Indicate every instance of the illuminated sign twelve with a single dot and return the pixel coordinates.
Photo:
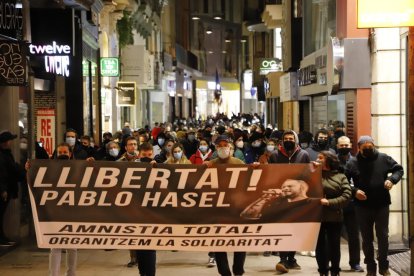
(56, 57)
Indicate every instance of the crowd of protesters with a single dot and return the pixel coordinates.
(243, 139)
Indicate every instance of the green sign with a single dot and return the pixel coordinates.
(109, 67)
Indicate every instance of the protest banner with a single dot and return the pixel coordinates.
(133, 205)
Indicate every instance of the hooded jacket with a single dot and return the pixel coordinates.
(197, 158)
(281, 155)
(369, 175)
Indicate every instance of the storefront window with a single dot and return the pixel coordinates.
(336, 110)
(319, 24)
(328, 112)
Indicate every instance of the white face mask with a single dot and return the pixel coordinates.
(270, 148)
(239, 144)
(177, 155)
(203, 148)
(161, 142)
(114, 152)
(71, 141)
(223, 153)
(23, 146)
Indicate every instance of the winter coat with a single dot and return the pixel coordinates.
(337, 190)
(197, 159)
(370, 174)
(10, 174)
(281, 155)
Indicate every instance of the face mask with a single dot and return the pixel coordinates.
(167, 149)
(203, 148)
(240, 144)
(322, 143)
(145, 159)
(114, 152)
(177, 155)
(344, 151)
(191, 138)
(161, 142)
(339, 133)
(256, 144)
(63, 157)
(289, 145)
(23, 146)
(368, 153)
(304, 145)
(223, 153)
(270, 148)
(71, 141)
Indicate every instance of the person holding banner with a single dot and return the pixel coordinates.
(337, 193)
(130, 155)
(224, 157)
(289, 151)
(63, 152)
(146, 259)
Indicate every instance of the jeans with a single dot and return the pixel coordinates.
(352, 231)
(328, 247)
(223, 263)
(368, 218)
(146, 262)
(55, 258)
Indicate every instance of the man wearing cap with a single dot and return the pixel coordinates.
(373, 174)
(10, 175)
(224, 157)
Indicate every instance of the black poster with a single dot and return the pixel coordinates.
(126, 93)
(12, 63)
(11, 19)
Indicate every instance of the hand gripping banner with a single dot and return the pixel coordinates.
(132, 205)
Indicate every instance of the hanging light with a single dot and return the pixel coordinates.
(209, 30)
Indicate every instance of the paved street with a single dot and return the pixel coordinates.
(29, 260)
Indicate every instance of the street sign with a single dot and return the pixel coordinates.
(110, 67)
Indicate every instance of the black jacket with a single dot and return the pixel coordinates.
(10, 174)
(369, 175)
(281, 156)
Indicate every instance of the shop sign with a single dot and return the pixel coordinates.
(56, 57)
(269, 65)
(385, 13)
(307, 75)
(109, 67)
(125, 93)
(11, 19)
(288, 87)
(46, 125)
(12, 64)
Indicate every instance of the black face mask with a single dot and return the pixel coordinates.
(344, 151)
(339, 133)
(145, 159)
(322, 143)
(368, 153)
(63, 157)
(289, 145)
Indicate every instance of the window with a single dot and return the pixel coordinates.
(319, 24)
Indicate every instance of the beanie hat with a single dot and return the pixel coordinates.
(255, 136)
(365, 139)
